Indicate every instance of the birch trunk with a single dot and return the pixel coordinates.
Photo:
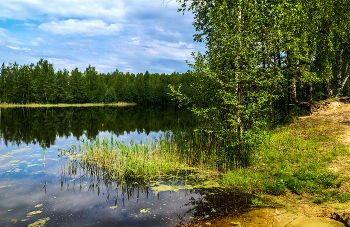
(308, 104)
(339, 73)
(327, 86)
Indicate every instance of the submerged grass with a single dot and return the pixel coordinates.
(35, 105)
(296, 158)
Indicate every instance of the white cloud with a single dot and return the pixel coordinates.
(3, 32)
(17, 48)
(39, 39)
(60, 63)
(7, 38)
(111, 10)
(14, 41)
(86, 27)
(128, 69)
(168, 32)
(135, 40)
(165, 50)
(29, 25)
(34, 43)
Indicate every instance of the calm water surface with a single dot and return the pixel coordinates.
(36, 188)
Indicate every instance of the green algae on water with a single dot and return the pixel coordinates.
(39, 223)
(175, 188)
(31, 214)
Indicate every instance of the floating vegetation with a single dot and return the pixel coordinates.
(39, 223)
(175, 188)
(31, 214)
(145, 210)
(33, 165)
(39, 205)
(113, 207)
(5, 186)
(54, 159)
(16, 170)
(6, 156)
(21, 149)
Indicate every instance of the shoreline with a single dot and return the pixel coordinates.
(36, 105)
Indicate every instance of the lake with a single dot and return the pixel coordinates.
(39, 188)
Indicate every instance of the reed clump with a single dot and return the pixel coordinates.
(181, 156)
(146, 159)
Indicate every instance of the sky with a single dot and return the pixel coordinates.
(128, 35)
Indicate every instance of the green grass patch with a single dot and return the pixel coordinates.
(295, 158)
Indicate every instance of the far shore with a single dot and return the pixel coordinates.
(33, 105)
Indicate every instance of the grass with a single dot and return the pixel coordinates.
(295, 158)
(35, 105)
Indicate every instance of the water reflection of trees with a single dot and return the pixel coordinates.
(43, 125)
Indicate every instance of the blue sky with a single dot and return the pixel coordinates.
(128, 35)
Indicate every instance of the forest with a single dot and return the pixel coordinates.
(41, 83)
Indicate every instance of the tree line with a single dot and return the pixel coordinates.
(40, 83)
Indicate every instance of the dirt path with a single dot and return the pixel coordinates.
(336, 111)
